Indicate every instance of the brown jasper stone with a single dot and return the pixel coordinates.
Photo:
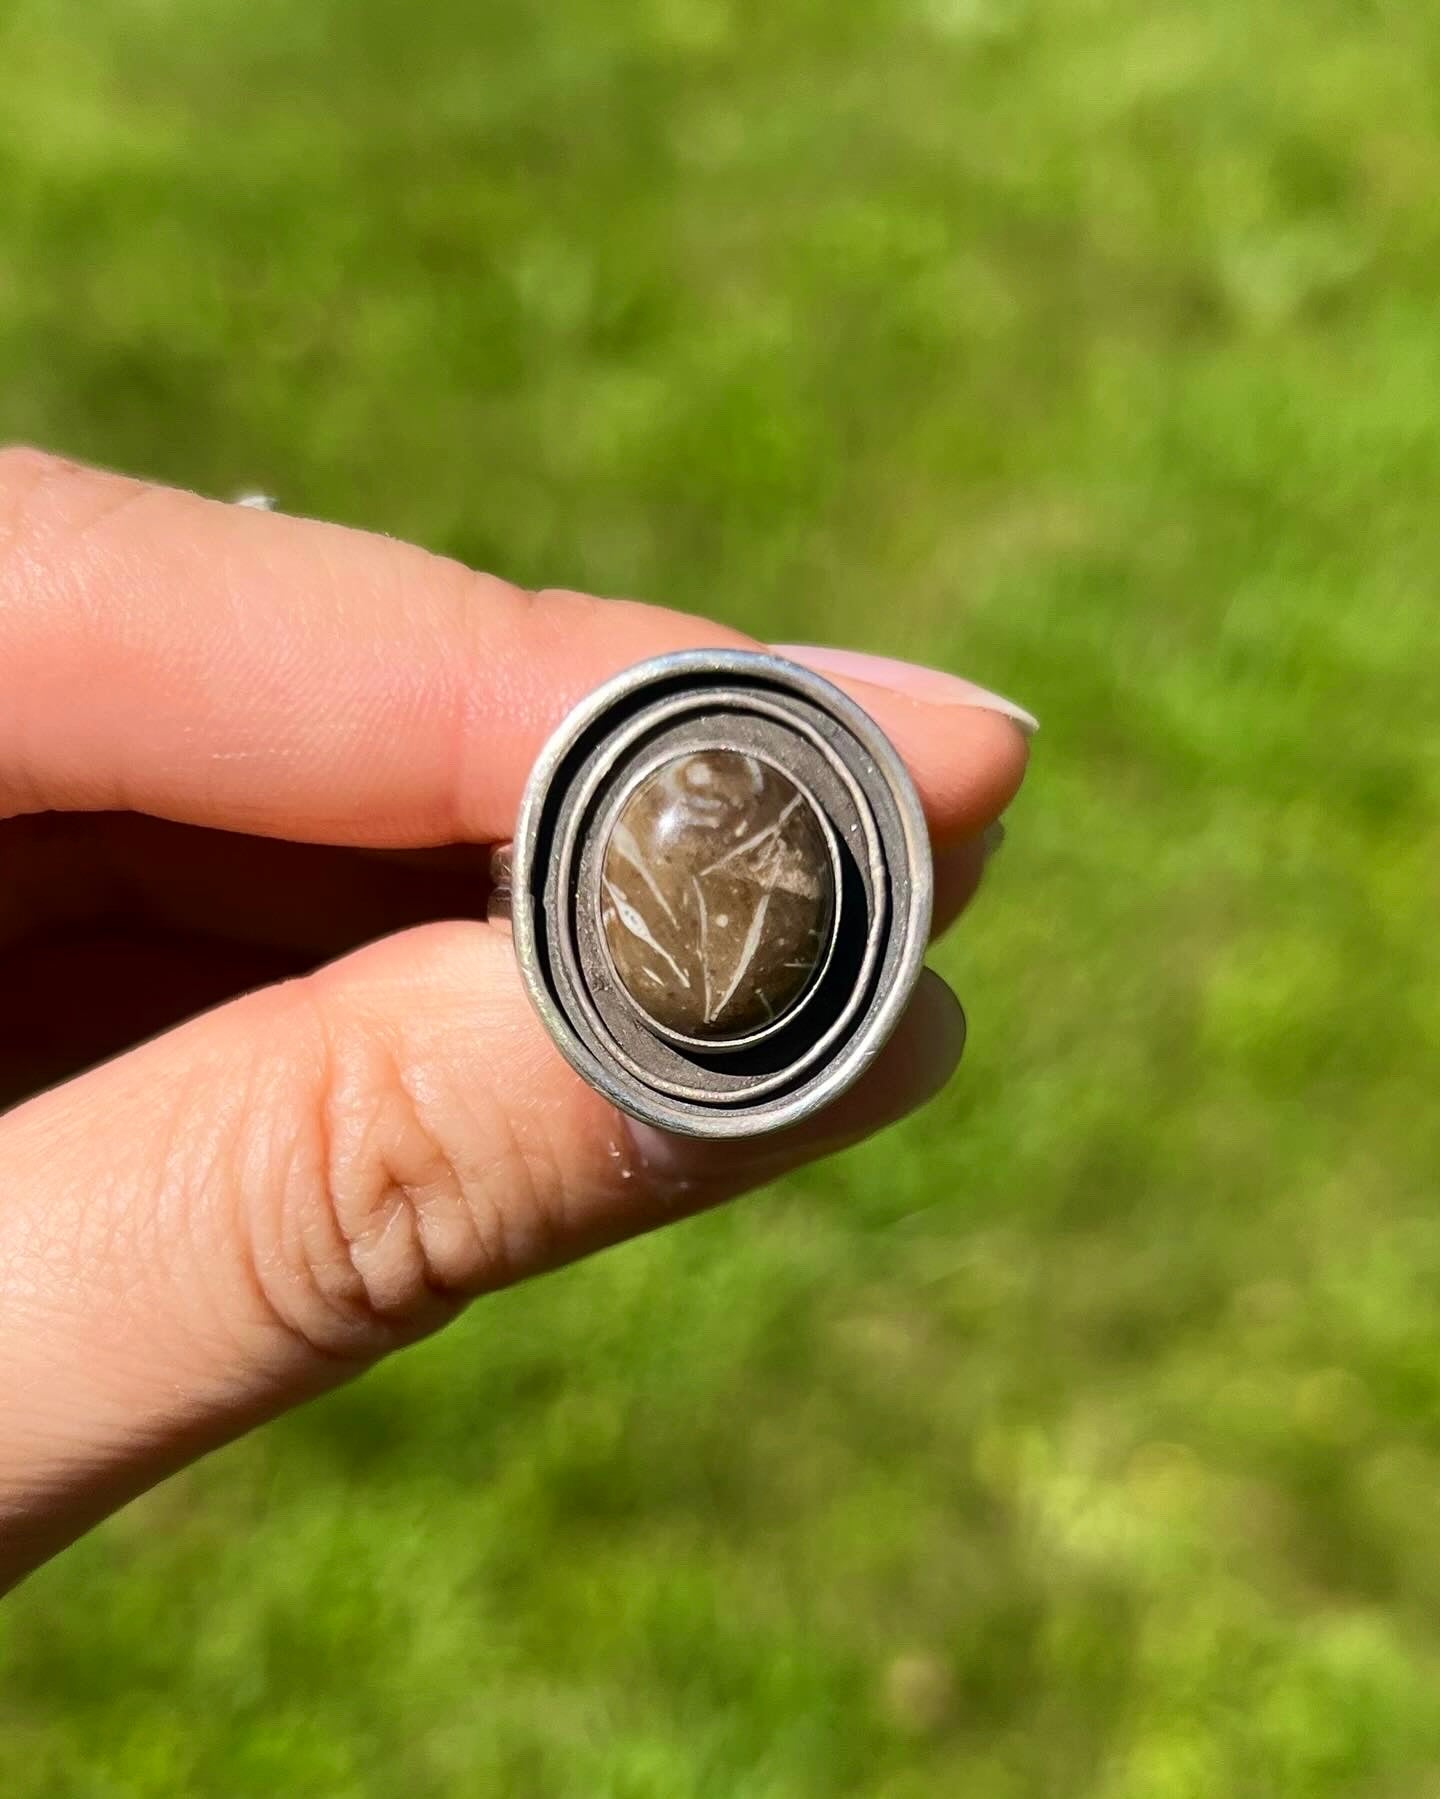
(717, 894)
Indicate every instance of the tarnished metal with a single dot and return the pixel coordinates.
(549, 883)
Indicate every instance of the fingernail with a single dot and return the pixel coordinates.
(670, 1162)
(682, 1172)
(909, 678)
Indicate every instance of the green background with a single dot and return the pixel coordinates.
(1081, 1437)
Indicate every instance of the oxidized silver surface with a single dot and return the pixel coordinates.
(720, 891)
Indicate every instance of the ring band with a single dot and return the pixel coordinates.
(719, 891)
(502, 865)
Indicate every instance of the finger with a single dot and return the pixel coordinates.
(236, 1215)
(224, 666)
(958, 873)
(919, 708)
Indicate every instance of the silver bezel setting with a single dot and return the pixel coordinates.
(851, 773)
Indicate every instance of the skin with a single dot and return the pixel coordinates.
(249, 765)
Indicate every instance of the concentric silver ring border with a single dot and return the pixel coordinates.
(639, 725)
(861, 1050)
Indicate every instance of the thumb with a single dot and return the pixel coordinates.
(240, 1214)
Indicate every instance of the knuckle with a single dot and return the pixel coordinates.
(403, 1197)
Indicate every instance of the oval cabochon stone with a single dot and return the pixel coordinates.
(717, 895)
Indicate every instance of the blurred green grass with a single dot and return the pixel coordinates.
(1082, 1437)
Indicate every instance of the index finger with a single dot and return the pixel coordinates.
(223, 666)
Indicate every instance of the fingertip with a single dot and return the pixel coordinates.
(967, 749)
(927, 1048)
(968, 768)
(959, 871)
(914, 679)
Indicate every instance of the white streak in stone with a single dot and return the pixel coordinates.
(637, 927)
(690, 805)
(623, 839)
(704, 944)
(750, 843)
(747, 955)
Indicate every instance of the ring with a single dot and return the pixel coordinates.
(719, 891)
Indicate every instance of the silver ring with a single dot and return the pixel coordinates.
(719, 890)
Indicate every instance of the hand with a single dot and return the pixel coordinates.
(234, 746)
